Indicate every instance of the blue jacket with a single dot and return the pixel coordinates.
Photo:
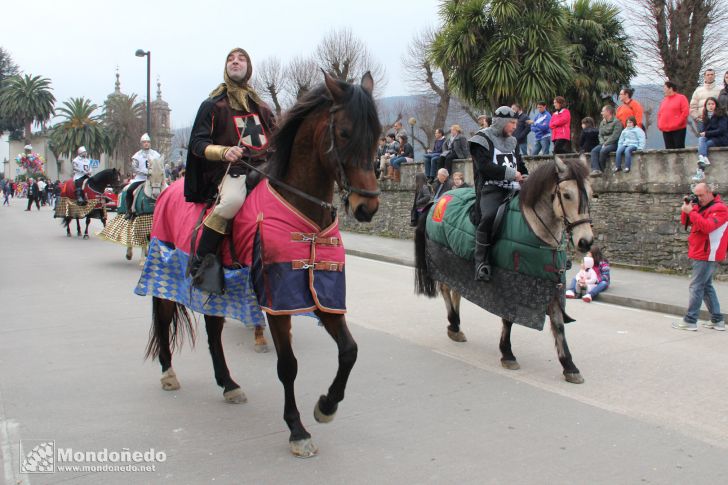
(540, 126)
(716, 129)
(632, 137)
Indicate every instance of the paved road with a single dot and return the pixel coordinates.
(419, 408)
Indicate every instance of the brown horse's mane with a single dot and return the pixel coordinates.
(544, 177)
(357, 103)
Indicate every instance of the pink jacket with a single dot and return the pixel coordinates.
(560, 125)
(673, 113)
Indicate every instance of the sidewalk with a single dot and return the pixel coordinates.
(636, 289)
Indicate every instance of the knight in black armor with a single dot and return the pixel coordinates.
(499, 171)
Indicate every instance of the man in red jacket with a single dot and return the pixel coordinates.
(706, 247)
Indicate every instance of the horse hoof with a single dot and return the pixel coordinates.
(319, 416)
(236, 396)
(169, 380)
(303, 448)
(457, 336)
(85, 236)
(68, 235)
(510, 364)
(574, 378)
(128, 254)
(261, 348)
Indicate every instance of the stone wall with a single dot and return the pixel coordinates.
(636, 215)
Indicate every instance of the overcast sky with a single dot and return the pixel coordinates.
(79, 43)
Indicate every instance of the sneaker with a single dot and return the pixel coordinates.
(586, 298)
(685, 326)
(699, 175)
(616, 169)
(700, 159)
(569, 294)
(706, 162)
(714, 325)
(626, 170)
(595, 173)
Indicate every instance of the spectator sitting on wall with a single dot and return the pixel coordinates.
(423, 196)
(443, 183)
(672, 116)
(629, 107)
(458, 181)
(609, 130)
(713, 133)
(522, 129)
(540, 128)
(589, 135)
(381, 150)
(631, 139)
(391, 150)
(456, 148)
(433, 155)
(406, 154)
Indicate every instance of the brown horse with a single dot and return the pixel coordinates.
(68, 209)
(328, 137)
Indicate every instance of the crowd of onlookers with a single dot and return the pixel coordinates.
(38, 191)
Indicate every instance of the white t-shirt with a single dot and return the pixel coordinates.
(140, 163)
(81, 167)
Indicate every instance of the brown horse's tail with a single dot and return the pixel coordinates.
(164, 313)
(424, 284)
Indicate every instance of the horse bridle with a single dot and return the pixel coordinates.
(344, 187)
(568, 225)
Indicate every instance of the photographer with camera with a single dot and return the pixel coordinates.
(705, 212)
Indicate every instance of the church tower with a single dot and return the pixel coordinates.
(161, 126)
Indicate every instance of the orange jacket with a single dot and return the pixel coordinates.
(633, 108)
(673, 113)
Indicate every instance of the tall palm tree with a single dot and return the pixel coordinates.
(79, 128)
(26, 100)
(123, 120)
(600, 54)
(501, 51)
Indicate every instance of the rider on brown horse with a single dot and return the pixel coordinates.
(232, 124)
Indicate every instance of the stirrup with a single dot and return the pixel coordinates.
(207, 273)
(483, 272)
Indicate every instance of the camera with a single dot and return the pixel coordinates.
(691, 199)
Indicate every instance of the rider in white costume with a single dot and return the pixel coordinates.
(81, 171)
(140, 162)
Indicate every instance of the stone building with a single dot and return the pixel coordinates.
(161, 126)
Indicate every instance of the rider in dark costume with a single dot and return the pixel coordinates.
(498, 169)
(232, 124)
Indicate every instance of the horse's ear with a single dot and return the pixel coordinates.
(332, 85)
(561, 166)
(367, 82)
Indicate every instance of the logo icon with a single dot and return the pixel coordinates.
(40, 458)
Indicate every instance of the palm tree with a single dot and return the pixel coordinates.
(501, 51)
(599, 52)
(79, 128)
(124, 123)
(26, 100)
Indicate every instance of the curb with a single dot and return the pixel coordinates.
(610, 298)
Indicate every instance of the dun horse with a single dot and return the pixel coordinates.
(287, 235)
(554, 203)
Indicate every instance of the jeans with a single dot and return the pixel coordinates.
(701, 290)
(627, 152)
(703, 145)
(544, 143)
(600, 154)
(523, 147)
(397, 161)
(601, 286)
(431, 164)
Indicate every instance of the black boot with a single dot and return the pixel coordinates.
(205, 267)
(80, 200)
(482, 257)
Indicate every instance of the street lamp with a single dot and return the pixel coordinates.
(141, 53)
(412, 122)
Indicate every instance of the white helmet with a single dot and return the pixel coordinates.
(81, 150)
(145, 137)
(28, 147)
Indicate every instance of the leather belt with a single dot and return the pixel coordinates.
(312, 237)
(318, 266)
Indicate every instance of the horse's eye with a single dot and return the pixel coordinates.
(344, 134)
(567, 196)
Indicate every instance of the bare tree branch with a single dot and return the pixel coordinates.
(268, 81)
(301, 75)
